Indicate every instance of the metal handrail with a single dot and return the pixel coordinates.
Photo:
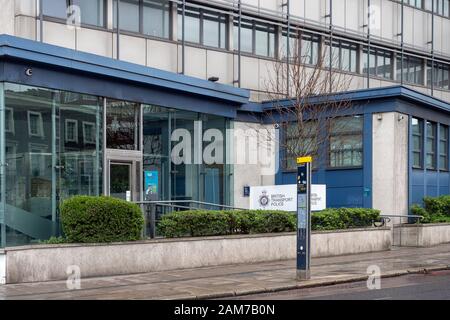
(168, 202)
(150, 213)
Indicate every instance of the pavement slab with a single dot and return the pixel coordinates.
(236, 280)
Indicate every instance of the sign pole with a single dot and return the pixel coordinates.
(303, 217)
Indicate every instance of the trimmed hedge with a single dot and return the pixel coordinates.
(212, 223)
(434, 210)
(344, 218)
(88, 219)
(197, 223)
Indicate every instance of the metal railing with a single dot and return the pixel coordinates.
(154, 210)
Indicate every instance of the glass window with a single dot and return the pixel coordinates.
(417, 137)
(156, 18)
(55, 8)
(412, 69)
(310, 49)
(32, 180)
(257, 38)
(299, 140)
(129, 15)
(443, 147)
(92, 11)
(71, 130)
(122, 125)
(346, 142)
(343, 55)
(246, 36)
(431, 145)
(379, 64)
(441, 75)
(204, 27)
(192, 25)
(264, 40)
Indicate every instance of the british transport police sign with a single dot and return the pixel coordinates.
(303, 217)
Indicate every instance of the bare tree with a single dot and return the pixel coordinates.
(303, 100)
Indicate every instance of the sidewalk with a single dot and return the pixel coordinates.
(225, 281)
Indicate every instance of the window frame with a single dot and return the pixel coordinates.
(359, 132)
(377, 53)
(219, 17)
(445, 141)
(85, 124)
(9, 120)
(104, 22)
(75, 138)
(271, 54)
(420, 135)
(433, 151)
(40, 124)
(339, 44)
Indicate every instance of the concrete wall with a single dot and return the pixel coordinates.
(50, 262)
(422, 235)
(258, 166)
(390, 163)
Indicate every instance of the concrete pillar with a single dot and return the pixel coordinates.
(7, 17)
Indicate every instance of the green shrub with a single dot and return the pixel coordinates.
(210, 222)
(434, 210)
(344, 218)
(439, 206)
(88, 219)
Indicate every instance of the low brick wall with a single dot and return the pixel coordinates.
(50, 262)
(422, 235)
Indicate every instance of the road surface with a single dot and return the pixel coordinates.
(435, 286)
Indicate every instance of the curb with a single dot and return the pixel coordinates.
(318, 283)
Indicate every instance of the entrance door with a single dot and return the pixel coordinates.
(121, 180)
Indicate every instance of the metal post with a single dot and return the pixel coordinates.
(56, 171)
(368, 44)
(183, 39)
(2, 168)
(118, 29)
(239, 42)
(303, 218)
(401, 44)
(41, 22)
(288, 47)
(331, 45)
(432, 48)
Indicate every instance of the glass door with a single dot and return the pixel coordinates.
(120, 180)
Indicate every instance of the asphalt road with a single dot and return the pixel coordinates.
(432, 286)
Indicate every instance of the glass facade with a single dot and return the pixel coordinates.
(346, 142)
(92, 12)
(49, 157)
(59, 144)
(256, 37)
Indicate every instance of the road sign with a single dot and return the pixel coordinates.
(303, 217)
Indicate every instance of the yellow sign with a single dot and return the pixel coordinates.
(304, 160)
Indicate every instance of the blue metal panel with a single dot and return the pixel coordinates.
(367, 161)
(58, 57)
(43, 76)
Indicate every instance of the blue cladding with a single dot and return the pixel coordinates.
(429, 183)
(344, 187)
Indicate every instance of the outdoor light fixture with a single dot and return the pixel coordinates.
(213, 79)
(29, 72)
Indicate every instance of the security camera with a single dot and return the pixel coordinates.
(277, 126)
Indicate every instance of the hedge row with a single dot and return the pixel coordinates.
(208, 222)
(434, 210)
